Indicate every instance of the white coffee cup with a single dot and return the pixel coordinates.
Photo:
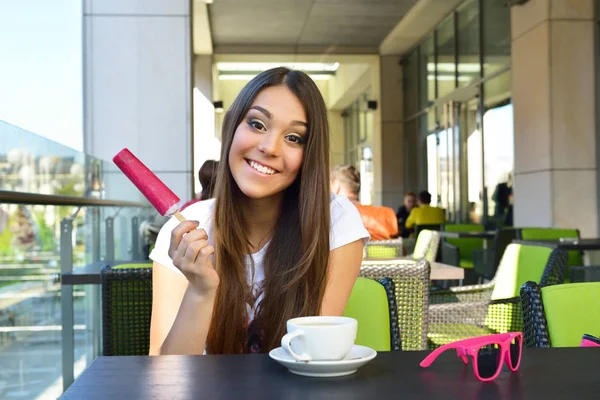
(319, 338)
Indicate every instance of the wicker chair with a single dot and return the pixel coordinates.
(558, 316)
(127, 305)
(126, 309)
(426, 247)
(493, 307)
(411, 281)
(393, 248)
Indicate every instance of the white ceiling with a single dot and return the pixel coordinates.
(201, 28)
(301, 26)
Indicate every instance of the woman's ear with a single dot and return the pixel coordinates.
(335, 187)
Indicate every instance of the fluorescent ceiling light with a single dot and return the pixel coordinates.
(451, 67)
(263, 66)
(448, 78)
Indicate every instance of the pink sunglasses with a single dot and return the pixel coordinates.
(488, 353)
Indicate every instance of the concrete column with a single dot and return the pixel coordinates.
(554, 114)
(207, 145)
(138, 88)
(392, 132)
(336, 138)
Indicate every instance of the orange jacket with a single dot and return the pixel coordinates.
(381, 222)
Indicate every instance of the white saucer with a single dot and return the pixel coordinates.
(358, 356)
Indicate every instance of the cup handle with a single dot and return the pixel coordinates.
(286, 343)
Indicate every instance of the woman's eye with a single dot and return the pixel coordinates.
(257, 125)
(296, 139)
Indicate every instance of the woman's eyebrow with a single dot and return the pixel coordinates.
(268, 114)
(300, 123)
(262, 110)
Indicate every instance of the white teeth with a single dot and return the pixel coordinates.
(261, 168)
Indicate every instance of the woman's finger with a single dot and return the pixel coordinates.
(177, 234)
(188, 239)
(192, 251)
(206, 252)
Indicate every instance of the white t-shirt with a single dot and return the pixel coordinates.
(346, 227)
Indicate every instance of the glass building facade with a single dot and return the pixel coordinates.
(458, 130)
(358, 125)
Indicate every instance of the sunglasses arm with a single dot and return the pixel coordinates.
(427, 361)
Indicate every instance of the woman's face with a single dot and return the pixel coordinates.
(268, 145)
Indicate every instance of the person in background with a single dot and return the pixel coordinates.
(381, 222)
(425, 214)
(410, 201)
(508, 218)
(473, 214)
(208, 178)
(501, 198)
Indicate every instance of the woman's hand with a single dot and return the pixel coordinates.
(191, 253)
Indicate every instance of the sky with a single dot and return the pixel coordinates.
(41, 68)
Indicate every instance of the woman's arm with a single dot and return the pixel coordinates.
(180, 317)
(342, 270)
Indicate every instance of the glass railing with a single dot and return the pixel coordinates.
(32, 164)
(43, 188)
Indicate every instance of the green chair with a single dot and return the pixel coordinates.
(575, 257)
(493, 307)
(373, 305)
(459, 252)
(558, 316)
(411, 292)
(126, 309)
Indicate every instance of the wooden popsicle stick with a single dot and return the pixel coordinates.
(180, 217)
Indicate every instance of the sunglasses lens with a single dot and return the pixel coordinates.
(488, 360)
(515, 351)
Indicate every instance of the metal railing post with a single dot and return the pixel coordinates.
(135, 238)
(95, 214)
(110, 239)
(66, 301)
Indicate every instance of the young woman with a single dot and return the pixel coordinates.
(274, 244)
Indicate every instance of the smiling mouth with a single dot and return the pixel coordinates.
(260, 168)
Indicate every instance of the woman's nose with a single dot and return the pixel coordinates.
(269, 144)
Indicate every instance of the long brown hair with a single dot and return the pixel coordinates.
(295, 262)
(207, 175)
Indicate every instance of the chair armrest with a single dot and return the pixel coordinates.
(495, 315)
(463, 294)
(472, 313)
(450, 254)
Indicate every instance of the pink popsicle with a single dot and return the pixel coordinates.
(158, 194)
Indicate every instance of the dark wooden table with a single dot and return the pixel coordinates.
(468, 235)
(571, 373)
(487, 236)
(578, 245)
(88, 275)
